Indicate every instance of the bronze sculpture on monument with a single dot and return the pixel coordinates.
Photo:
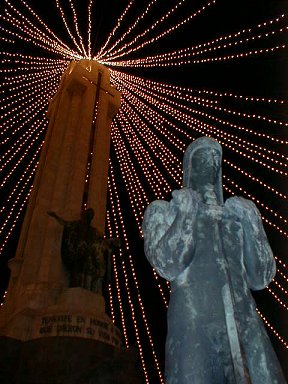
(54, 314)
(85, 252)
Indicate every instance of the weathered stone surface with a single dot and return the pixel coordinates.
(213, 253)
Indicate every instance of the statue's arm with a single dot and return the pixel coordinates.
(175, 248)
(259, 262)
(58, 218)
(169, 246)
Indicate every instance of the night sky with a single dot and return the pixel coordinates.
(261, 75)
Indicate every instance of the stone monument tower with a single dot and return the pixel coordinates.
(41, 305)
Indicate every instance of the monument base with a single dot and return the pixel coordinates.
(73, 341)
(66, 360)
(77, 313)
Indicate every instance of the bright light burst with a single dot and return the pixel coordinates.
(158, 118)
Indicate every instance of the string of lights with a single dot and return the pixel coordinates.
(280, 287)
(269, 222)
(282, 275)
(36, 124)
(115, 270)
(242, 97)
(90, 5)
(272, 329)
(25, 179)
(135, 192)
(134, 319)
(156, 180)
(166, 31)
(112, 33)
(282, 263)
(151, 183)
(139, 299)
(200, 49)
(183, 117)
(261, 182)
(128, 31)
(224, 122)
(41, 22)
(135, 64)
(148, 30)
(158, 89)
(137, 146)
(37, 36)
(15, 221)
(217, 108)
(75, 20)
(60, 9)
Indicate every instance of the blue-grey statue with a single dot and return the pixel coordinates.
(213, 253)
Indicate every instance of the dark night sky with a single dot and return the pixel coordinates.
(257, 75)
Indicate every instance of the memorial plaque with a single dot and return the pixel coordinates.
(73, 325)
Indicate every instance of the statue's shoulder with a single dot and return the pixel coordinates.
(157, 207)
(155, 214)
(241, 207)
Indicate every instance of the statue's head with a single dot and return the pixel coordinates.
(88, 215)
(202, 166)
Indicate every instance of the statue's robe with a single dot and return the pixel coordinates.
(213, 255)
(204, 257)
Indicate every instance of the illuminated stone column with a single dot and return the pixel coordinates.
(65, 182)
(108, 105)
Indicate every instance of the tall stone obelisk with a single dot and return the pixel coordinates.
(53, 331)
(72, 175)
